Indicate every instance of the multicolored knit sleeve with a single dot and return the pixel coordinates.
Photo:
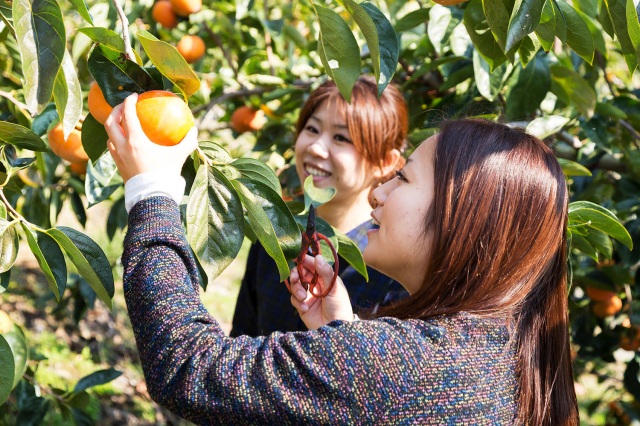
(344, 373)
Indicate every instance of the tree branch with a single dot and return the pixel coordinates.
(225, 52)
(128, 51)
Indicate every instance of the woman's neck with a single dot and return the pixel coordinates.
(346, 217)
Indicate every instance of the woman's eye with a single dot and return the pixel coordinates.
(341, 138)
(400, 176)
(311, 129)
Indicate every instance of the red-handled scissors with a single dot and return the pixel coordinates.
(311, 246)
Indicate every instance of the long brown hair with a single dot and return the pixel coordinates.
(498, 222)
(376, 125)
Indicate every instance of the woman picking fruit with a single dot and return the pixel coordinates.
(474, 227)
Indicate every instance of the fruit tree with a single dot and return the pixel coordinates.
(565, 70)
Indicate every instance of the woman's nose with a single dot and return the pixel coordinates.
(379, 195)
(318, 147)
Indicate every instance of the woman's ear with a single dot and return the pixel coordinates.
(390, 163)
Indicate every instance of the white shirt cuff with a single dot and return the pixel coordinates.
(152, 184)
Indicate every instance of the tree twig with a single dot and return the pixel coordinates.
(9, 207)
(225, 52)
(128, 51)
(14, 100)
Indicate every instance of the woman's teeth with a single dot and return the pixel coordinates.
(316, 172)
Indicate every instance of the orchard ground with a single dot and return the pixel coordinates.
(104, 338)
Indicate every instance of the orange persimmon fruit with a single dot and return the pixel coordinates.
(164, 117)
(97, 104)
(186, 7)
(78, 169)
(191, 47)
(246, 118)
(607, 307)
(71, 149)
(599, 295)
(163, 14)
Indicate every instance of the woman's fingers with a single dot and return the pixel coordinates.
(113, 128)
(130, 120)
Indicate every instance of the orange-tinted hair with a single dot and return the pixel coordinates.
(498, 222)
(376, 125)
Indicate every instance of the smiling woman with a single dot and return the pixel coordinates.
(351, 147)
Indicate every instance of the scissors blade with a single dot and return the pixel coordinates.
(311, 222)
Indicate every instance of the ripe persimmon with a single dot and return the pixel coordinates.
(607, 307)
(246, 118)
(163, 14)
(191, 47)
(164, 117)
(71, 149)
(186, 7)
(78, 169)
(97, 104)
(599, 295)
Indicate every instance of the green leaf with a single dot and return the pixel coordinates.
(578, 35)
(525, 18)
(9, 244)
(489, 83)
(546, 29)
(617, 11)
(278, 214)
(259, 172)
(67, 95)
(412, 19)
(600, 242)
(338, 50)
(7, 372)
(81, 7)
(478, 28)
(498, 17)
(16, 341)
(580, 243)
(102, 179)
(50, 258)
(5, 279)
(215, 152)
(263, 229)
(633, 26)
(598, 217)
(215, 221)
(21, 137)
(381, 40)
(543, 127)
(314, 195)
(118, 77)
(440, 19)
(104, 36)
(529, 47)
(41, 38)
(96, 378)
(530, 88)
(170, 63)
(573, 89)
(94, 138)
(350, 252)
(571, 168)
(89, 259)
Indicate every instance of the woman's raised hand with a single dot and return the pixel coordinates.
(132, 150)
(316, 312)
